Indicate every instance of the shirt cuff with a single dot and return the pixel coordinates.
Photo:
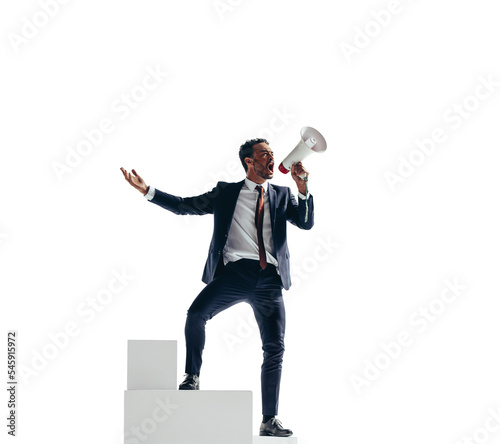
(150, 194)
(302, 196)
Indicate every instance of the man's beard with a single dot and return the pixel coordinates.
(264, 172)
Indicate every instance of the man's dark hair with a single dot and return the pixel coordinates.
(246, 150)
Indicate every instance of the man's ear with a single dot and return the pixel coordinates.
(248, 161)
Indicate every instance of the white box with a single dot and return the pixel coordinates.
(152, 365)
(188, 417)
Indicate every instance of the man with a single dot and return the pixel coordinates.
(248, 260)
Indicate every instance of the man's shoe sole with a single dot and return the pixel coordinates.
(270, 434)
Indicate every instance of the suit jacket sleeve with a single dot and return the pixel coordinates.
(196, 205)
(296, 212)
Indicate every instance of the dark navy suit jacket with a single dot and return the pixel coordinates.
(221, 202)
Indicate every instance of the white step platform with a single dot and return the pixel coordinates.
(157, 413)
(274, 440)
(190, 417)
(152, 365)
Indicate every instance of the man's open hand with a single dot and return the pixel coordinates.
(135, 180)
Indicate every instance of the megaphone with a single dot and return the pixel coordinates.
(311, 141)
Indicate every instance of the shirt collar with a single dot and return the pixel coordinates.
(251, 185)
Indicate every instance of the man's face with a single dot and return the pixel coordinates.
(263, 161)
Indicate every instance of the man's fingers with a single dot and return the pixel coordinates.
(298, 170)
(134, 180)
(126, 174)
(137, 176)
(129, 177)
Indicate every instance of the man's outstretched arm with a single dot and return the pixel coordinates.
(197, 205)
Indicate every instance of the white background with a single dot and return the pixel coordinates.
(230, 75)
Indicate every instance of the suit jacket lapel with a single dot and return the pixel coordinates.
(272, 204)
(232, 197)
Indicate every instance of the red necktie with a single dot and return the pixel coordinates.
(259, 219)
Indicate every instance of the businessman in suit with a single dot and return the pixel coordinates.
(248, 261)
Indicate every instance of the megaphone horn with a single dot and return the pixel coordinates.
(311, 141)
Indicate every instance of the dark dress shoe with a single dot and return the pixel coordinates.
(191, 382)
(273, 427)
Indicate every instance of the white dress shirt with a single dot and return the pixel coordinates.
(242, 240)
